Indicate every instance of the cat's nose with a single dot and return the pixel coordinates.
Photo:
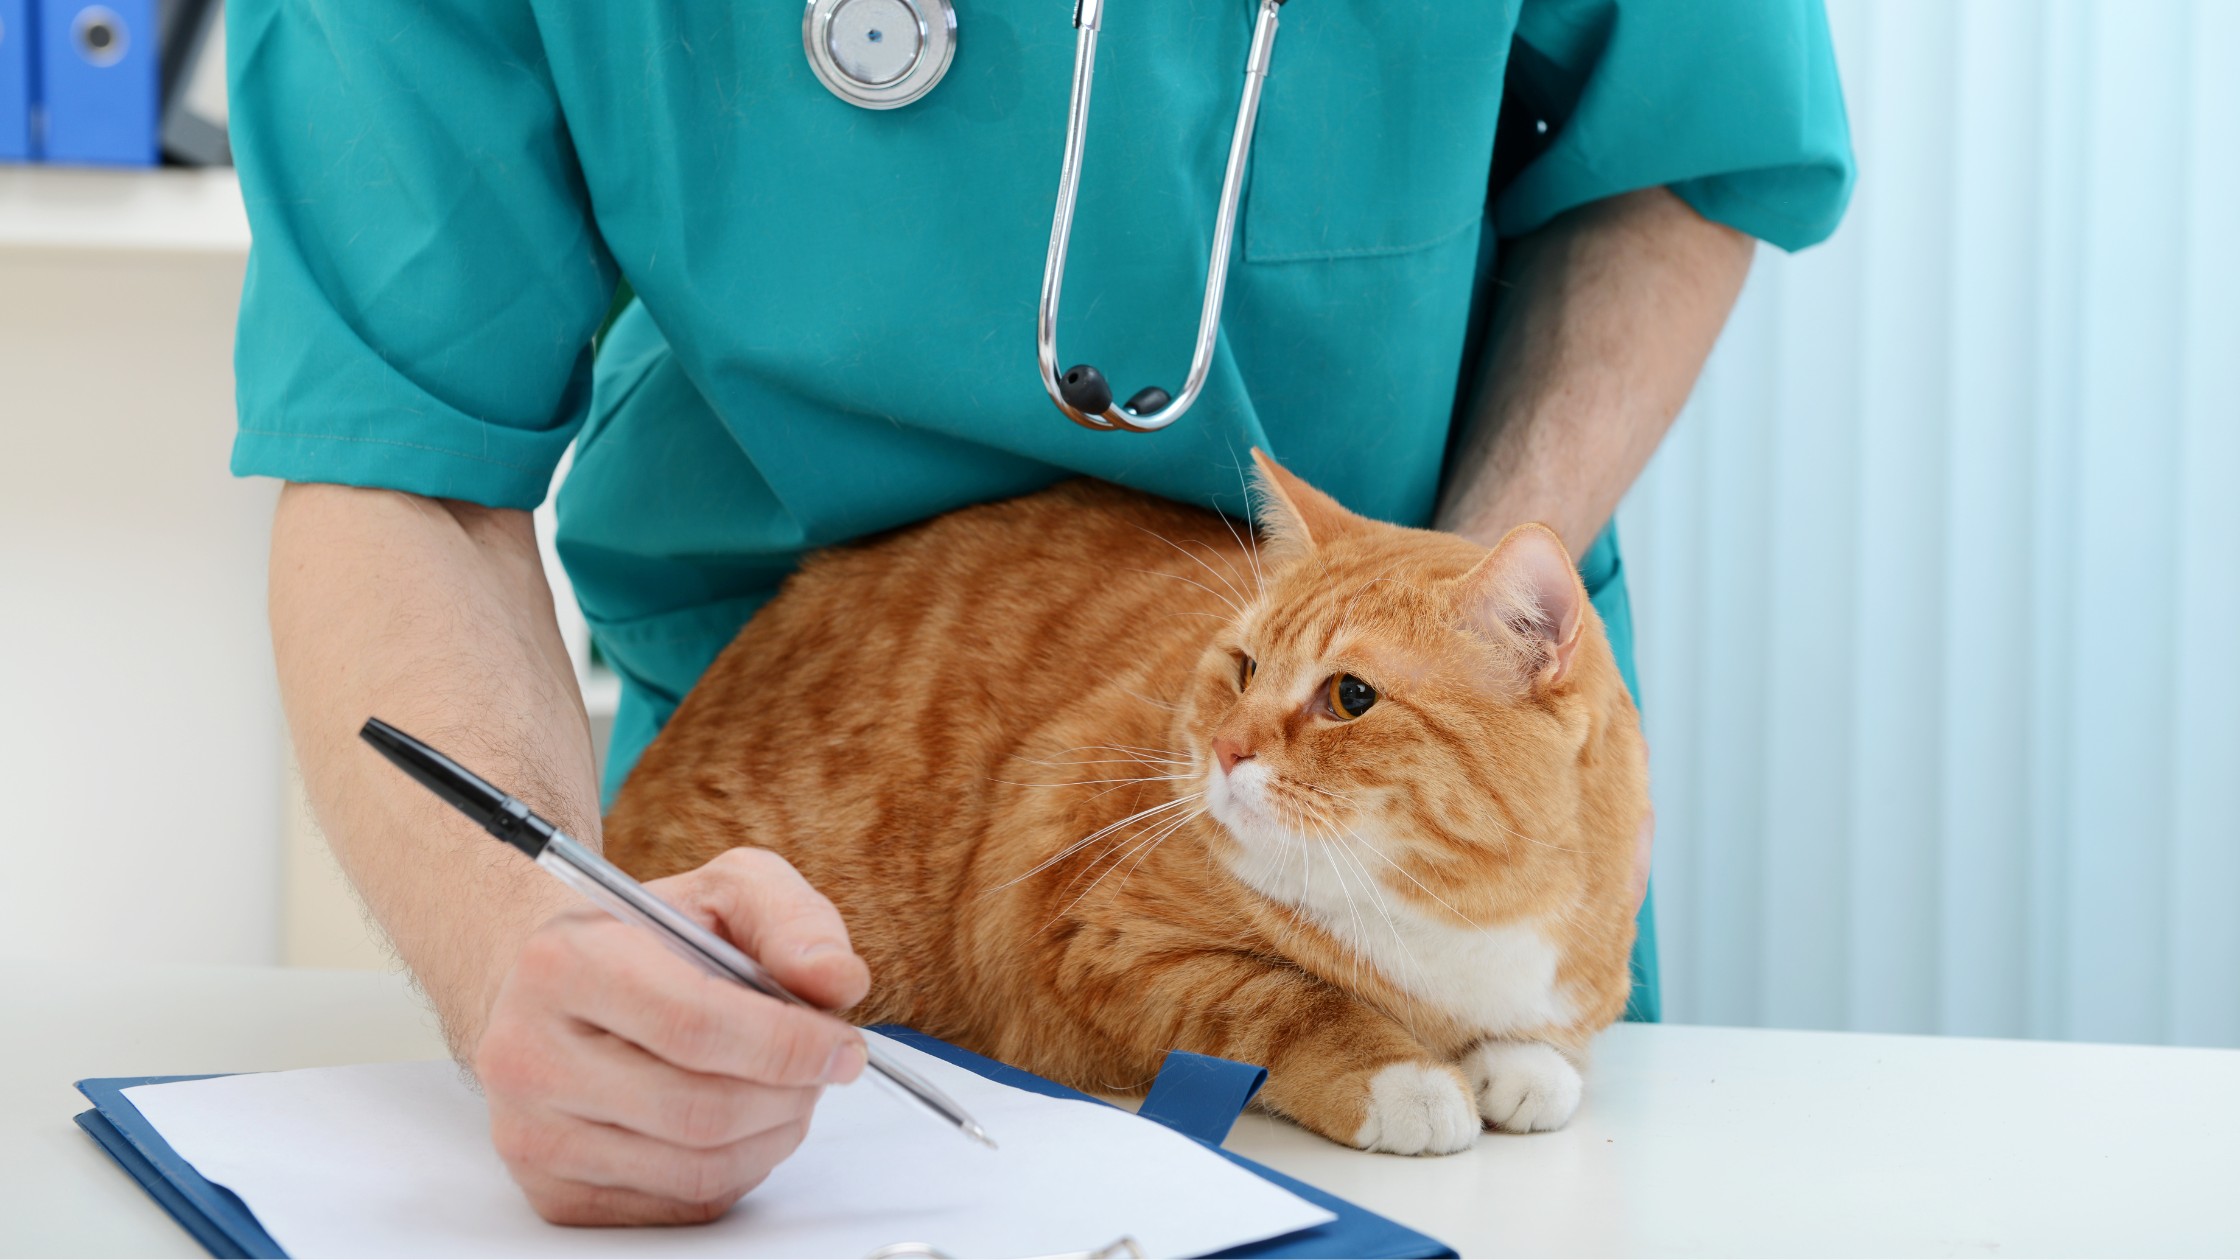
(1229, 752)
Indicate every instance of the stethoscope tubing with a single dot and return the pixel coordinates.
(1087, 20)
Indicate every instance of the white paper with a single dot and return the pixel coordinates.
(394, 1159)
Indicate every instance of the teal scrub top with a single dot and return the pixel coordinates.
(832, 332)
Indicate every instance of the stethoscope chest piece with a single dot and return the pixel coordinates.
(880, 54)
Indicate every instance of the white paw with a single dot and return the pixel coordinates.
(1418, 1109)
(1523, 1086)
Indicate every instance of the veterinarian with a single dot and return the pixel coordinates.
(831, 334)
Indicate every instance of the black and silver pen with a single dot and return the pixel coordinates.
(623, 897)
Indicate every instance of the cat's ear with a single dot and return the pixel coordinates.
(1295, 514)
(1526, 597)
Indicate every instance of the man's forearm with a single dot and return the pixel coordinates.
(434, 616)
(1607, 315)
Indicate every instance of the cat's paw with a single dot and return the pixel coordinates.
(1523, 1086)
(1418, 1109)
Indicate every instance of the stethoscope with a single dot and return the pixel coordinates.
(884, 54)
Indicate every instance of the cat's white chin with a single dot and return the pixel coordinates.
(1237, 799)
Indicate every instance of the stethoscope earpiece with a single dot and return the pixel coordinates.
(1085, 389)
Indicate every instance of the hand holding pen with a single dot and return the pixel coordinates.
(625, 1087)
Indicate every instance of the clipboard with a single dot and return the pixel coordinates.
(1195, 1095)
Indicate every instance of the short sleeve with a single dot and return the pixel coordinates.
(424, 277)
(1733, 104)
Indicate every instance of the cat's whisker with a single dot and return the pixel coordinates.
(1228, 563)
(1353, 911)
(1139, 748)
(1093, 837)
(1410, 877)
(1545, 844)
(1197, 612)
(1244, 485)
(1226, 602)
(1353, 908)
(1096, 761)
(1203, 565)
(1251, 551)
(1329, 837)
(1224, 579)
(1383, 907)
(1114, 853)
(1133, 752)
(1147, 778)
(1168, 705)
(1153, 844)
(1101, 793)
(1165, 828)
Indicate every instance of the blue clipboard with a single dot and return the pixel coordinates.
(1196, 1095)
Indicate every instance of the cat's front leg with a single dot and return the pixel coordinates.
(1348, 1072)
(1523, 1086)
(1417, 1108)
(1335, 1065)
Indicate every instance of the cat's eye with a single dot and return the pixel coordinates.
(1246, 668)
(1350, 697)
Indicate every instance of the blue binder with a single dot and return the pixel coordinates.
(100, 74)
(1195, 1095)
(18, 58)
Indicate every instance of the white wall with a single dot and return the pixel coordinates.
(1938, 579)
(140, 749)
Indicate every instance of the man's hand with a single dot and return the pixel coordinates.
(624, 1085)
(627, 1087)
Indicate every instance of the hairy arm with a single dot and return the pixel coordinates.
(433, 615)
(1607, 315)
(624, 1086)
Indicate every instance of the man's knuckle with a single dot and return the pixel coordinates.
(544, 957)
(703, 1213)
(527, 1145)
(690, 1033)
(562, 1203)
(507, 1065)
(709, 1177)
(766, 872)
(706, 1116)
(792, 1134)
(795, 1051)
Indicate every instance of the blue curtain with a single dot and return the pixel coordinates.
(1937, 582)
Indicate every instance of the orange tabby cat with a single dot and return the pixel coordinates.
(1089, 778)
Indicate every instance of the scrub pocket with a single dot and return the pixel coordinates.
(1375, 126)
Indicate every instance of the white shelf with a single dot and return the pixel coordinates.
(141, 211)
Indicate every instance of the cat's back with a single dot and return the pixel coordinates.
(893, 678)
(1031, 591)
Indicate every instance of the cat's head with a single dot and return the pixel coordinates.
(1409, 708)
